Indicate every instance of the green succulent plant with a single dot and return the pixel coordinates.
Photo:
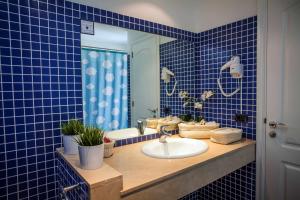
(90, 136)
(72, 127)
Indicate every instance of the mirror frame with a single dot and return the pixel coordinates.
(122, 21)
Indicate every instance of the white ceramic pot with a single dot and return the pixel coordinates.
(108, 149)
(70, 144)
(91, 157)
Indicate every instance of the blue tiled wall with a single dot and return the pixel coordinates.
(41, 86)
(201, 60)
(128, 90)
(214, 48)
(65, 176)
(179, 57)
(239, 184)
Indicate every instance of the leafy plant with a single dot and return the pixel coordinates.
(72, 127)
(153, 112)
(197, 103)
(199, 118)
(167, 111)
(90, 136)
(186, 117)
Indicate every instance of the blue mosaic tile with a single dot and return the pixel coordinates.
(41, 84)
(239, 184)
(128, 90)
(65, 177)
(201, 60)
(179, 57)
(191, 196)
(214, 48)
(141, 138)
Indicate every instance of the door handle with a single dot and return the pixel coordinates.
(275, 125)
(272, 134)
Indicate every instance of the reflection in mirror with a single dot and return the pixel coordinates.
(121, 80)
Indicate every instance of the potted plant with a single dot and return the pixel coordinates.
(70, 131)
(108, 147)
(186, 117)
(197, 103)
(91, 148)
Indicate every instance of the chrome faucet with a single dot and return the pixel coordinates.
(164, 134)
(141, 127)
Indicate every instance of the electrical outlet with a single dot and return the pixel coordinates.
(87, 27)
(242, 118)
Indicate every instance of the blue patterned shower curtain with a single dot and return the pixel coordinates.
(104, 83)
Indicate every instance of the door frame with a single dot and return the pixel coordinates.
(261, 86)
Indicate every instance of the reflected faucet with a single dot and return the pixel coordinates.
(164, 134)
(141, 126)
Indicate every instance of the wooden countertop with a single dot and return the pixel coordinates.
(93, 178)
(140, 171)
(136, 171)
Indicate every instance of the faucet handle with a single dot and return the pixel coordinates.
(141, 126)
(140, 122)
(164, 131)
(164, 134)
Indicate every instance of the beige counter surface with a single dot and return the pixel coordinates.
(129, 174)
(140, 171)
(93, 178)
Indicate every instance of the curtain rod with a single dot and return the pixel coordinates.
(105, 49)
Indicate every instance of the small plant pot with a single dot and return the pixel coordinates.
(91, 157)
(70, 144)
(108, 149)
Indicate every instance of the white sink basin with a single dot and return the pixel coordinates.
(174, 148)
(128, 133)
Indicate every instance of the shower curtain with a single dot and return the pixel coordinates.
(104, 83)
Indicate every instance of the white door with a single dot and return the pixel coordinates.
(283, 101)
(144, 78)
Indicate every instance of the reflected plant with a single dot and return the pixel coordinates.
(186, 117)
(153, 112)
(167, 111)
(197, 103)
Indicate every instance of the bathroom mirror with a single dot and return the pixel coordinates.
(121, 78)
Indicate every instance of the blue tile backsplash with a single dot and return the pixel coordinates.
(239, 184)
(201, 60)
(214, 48)
(40, 87)
(65, 176)
(179, 57)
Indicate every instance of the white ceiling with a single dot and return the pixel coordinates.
(214, 13)
(192, 15)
